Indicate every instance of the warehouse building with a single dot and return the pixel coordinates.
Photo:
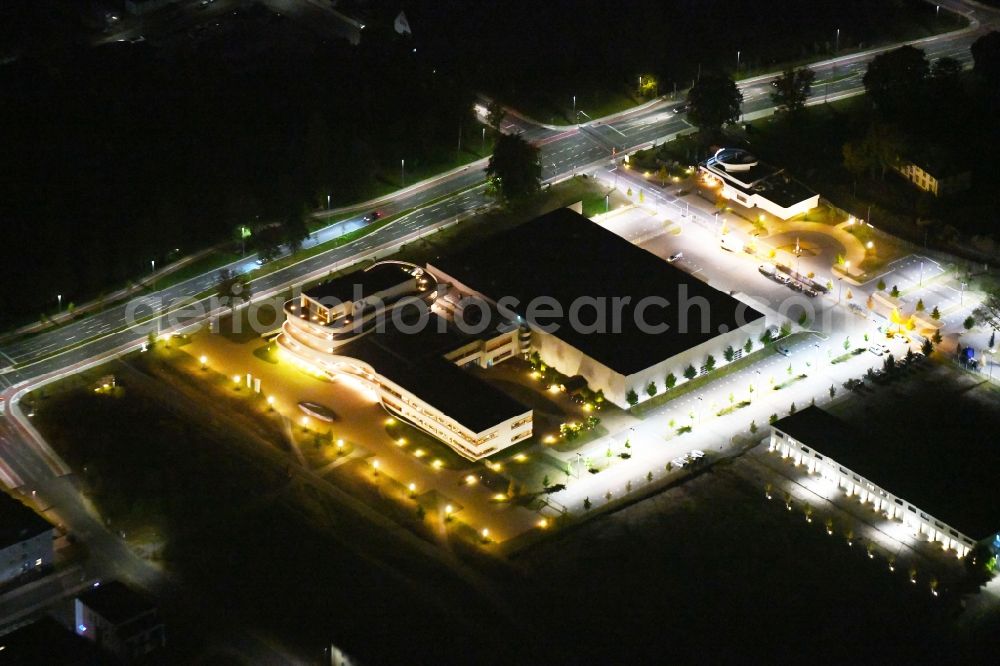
(938, 493)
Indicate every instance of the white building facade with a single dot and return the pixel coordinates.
(919, 522)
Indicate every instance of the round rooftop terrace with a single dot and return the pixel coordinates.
(735, 159)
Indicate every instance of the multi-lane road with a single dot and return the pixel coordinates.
(584, 148)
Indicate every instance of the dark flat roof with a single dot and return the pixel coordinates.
(116, 602)
(45, 642)
(566, 256)
(18, 522)
(946, 482)
(379, 278)
(414, 361)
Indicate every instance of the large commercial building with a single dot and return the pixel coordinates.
(754, 184)
(390, 330)
(25, 541)
(938, 493)
(403, 333)
(599, 306)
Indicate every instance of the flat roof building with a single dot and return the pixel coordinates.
(25, 541)
(599, 306)
(937, 492)
(387, 329)
(120, 620)
(45, 642)
(754, 184)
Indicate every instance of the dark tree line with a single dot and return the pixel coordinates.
(118, 156)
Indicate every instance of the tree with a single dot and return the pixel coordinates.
(690, 373)
(710, 363)
(294, 229)
(632, 398)
(792, 409)
(936, 338)
(895, 77)
(881, 285)
(753, 427)
(651, 389)
(748, 347)
(586, 503)
(545, 481)
(986, 59)
(766, 337)
(791, 90)
(772, 419)
(232, 288)
(874, 154)
(713, 101)
(729, 354)
(927, 347)
(988, 311)
(495, 114)
(969, 323)
(833, 391)
(847, 343)
(514, 171)
(946, 76)
(786, 329)
(671, 381)
(895, 291)
(889, 364)
(267, 242)
(920, 305)
(935, 313)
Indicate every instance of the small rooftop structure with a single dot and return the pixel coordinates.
(753, 183)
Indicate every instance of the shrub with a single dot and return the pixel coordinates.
(632, 398)
(690, 372)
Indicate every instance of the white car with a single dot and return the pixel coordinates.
(878, 350)
(697, 453)
(674, 257)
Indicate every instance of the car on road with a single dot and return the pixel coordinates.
(697, 453)
(674, 257)
(372, 216)
(878, 350)
(784, 351)
(681, 108)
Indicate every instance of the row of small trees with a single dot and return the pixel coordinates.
(690, 372)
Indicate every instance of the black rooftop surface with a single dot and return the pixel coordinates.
(45, 642)
(438, 382)
(116, 602)
(566, 256)
(379, 278)
(949, 482)
(18, 522)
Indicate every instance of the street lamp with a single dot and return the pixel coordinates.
(961, 295)
(59, 298)
(575, 117)
(482, 146)
(328, 202)
(738, 61)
